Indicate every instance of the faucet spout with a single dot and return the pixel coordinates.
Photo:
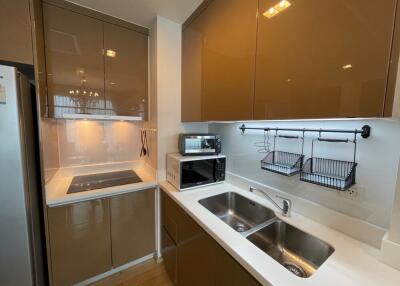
(287, 204)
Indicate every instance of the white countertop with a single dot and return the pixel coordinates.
(57, 187)
(352, 263)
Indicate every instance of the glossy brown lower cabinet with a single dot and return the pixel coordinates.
(79, 241)
(132, 226)
(194, 258)
(169, 255)
(93, 237)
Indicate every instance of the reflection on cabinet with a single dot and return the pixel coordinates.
(126, 73)
(132, 226)
(191, 256)
(79, 241)
(296, 61)
(74, 62)
(15, 32)
(95, 64)
(319, 59)
(219, 62)
(169, 247)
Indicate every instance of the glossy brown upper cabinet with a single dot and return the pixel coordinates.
(15, 32)
(218, 61)
(74, 62)
(95, 64)
(323, 59)
(295, 60)
(126, 70)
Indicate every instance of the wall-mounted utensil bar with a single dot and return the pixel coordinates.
(336, 174)
(365, 131)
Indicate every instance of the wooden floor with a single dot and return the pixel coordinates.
(146, 274)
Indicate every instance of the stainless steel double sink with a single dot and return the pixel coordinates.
(300, 253)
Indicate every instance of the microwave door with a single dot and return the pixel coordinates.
(196, 173)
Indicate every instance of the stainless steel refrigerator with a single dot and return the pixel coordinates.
(22, 243)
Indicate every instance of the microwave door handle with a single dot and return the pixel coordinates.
(216, 175)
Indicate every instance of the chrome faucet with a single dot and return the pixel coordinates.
(287, 204)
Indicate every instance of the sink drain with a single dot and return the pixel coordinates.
(295, 269)
(240, 227)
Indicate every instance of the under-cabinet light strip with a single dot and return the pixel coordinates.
(101, 117)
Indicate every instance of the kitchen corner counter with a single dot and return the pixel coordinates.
(352, 263)
(57, 187)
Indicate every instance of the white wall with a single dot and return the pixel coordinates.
(378, 158)
(167, 53)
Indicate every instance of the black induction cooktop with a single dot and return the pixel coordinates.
(102, 180)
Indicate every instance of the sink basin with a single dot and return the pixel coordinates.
(237, 211)
(296, 250)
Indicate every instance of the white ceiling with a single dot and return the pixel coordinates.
(143, 12)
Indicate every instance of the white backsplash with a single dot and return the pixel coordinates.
(377, 158)
(85, 142)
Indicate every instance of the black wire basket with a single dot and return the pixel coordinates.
(284, 163)
(335, 174)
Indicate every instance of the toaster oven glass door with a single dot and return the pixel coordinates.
(200, 144)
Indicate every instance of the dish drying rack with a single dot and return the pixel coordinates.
(284, 163)
(335, 174)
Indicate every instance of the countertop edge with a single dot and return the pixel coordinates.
(102, 193)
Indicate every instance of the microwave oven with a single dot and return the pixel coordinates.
(187, 172)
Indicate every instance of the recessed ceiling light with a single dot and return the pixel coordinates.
(345, 67)
(111, 53)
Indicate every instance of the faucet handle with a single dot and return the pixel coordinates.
(287, 206)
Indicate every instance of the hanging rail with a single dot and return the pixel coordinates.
(365, 131)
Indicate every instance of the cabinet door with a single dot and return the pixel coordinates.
(195, 255)
(132, 226)
(192, 71)
(195, 258)
(126, 71)
(196, 261)
(15, 32)
(218, 62)
(168, 251)
(80, 243)
(74, 62)
(230, 272)
(229, 45)
(321, 59)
